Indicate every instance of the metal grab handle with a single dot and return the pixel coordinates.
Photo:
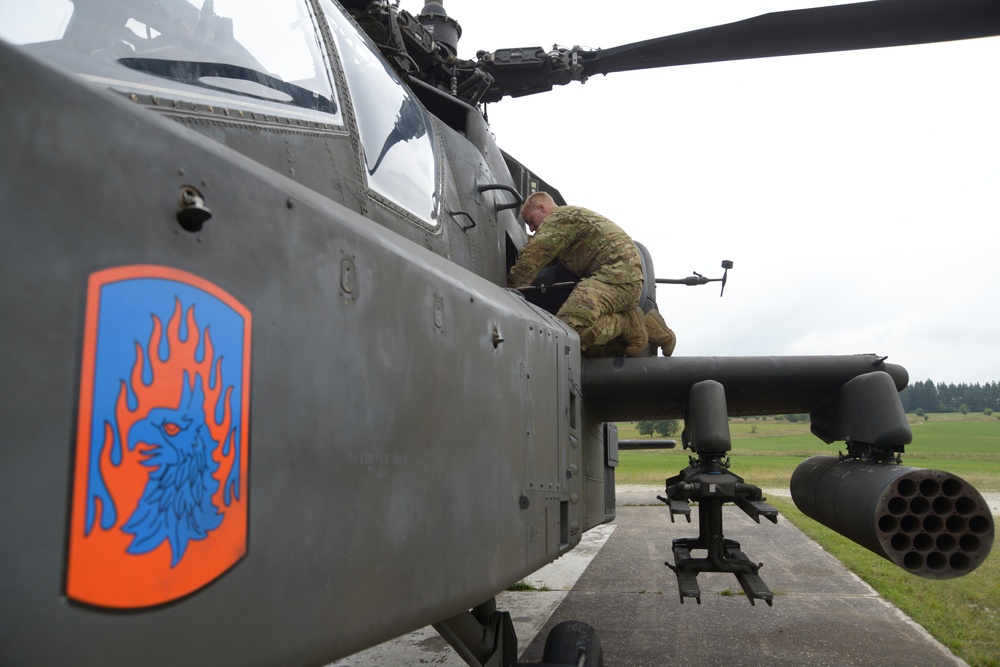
(507, 188)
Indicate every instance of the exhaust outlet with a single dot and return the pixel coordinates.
(931, 523)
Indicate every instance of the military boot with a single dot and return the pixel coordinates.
(634, 333)
(660, 334)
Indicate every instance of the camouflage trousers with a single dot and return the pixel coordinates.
(597, 310)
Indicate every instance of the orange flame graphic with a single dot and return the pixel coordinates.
(100, 570)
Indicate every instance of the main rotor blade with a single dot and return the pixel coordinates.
(865, 25)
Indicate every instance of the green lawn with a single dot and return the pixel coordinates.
(765, 452)
(963, 613)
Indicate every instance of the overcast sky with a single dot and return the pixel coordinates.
(858, 194)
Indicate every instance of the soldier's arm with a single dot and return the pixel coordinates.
(541, 249)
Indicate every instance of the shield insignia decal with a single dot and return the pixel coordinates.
(160, 483)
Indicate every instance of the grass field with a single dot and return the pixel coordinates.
(963, 613)
(765, 452)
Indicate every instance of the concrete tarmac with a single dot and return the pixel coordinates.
(822, 614)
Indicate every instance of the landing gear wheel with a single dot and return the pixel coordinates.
(573, 643)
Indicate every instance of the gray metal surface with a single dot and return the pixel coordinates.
(404, 466)
(657, 387)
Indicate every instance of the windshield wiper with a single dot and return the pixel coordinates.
(193, 73)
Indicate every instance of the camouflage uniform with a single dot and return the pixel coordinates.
(605, 258)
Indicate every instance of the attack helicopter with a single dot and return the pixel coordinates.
(267, 398)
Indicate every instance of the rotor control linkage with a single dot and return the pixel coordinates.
(708, 481)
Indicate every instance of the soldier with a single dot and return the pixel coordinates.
(604, 304)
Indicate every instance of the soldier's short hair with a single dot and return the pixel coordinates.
(535, 197)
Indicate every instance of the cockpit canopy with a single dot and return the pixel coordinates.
(277, 59)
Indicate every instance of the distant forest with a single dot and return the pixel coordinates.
(941, 397)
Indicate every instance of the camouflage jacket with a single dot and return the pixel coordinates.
(587, 243)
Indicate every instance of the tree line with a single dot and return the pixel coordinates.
(942, 397)
(664, 427)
